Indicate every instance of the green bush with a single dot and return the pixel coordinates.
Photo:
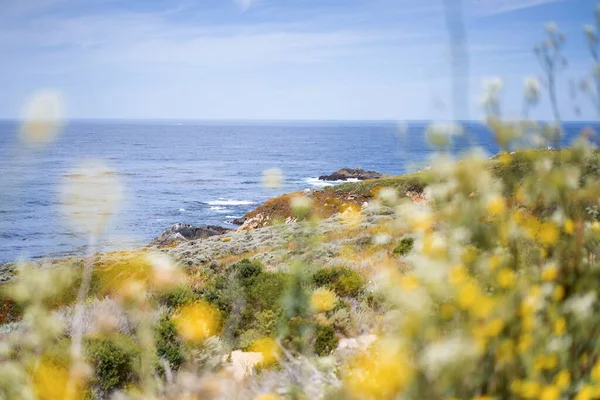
(342, 280)
(265, 290)
(325, 339)
(247, 269)
(216, 292)
(169, 346)
(177, 297)
(112, 358)
(405, 246)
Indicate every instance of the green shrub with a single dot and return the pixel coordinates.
(247, 269)
(342, 280)
(112, 358)
(325, 339)
(405, 246)
(168, 344)
(216, 292)
(265, 290)
(178, 296)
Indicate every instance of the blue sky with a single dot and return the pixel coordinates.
(278, 59)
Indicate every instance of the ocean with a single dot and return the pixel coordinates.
(192, 172)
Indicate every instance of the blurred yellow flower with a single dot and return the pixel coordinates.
(506, 278)
(409, 282)
(496, 205)
(569, 226)
(530, 389)
(50, 382)
(495, 327)
(458, 274)
(550, 272)
(322, 300)
(198, 321)
(595, 375)
(468, 295)
(563, 379)
(585, 393)
(268, 348)
(560, 326)
(558, 293)
(378, 374)
(267, 396)
(548, 233)
(550, 393)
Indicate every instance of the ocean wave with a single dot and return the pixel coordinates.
(232, 216)
(316, 182)
(229, 202)
(220, 209)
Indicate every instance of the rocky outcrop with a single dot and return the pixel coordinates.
(186, 232)
(351, 173)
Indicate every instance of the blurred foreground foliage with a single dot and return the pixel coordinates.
(482, 284)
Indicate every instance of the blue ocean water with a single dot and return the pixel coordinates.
(191, 172)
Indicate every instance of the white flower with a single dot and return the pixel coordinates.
(532, 90)
(446, 353)
(440, 134)
(90, 196)
(381, 239)
(42, 116)
(551, 27)
(590, 32)
(301, 205)
(388, 195)
(581, 305)
(272, 178)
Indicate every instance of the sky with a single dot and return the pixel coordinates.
(285, 59)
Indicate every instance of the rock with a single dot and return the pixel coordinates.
(253, 223)
(243, 363)
(239, 221)
(186, 232)
(351, 173)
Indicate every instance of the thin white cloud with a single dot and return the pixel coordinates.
(494, 7)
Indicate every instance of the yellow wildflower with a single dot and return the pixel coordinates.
(197, 321)
(524, 342)
(267, 396)
(483, 307)
(558, 293)
(496, 205)
(595, 375)
(323, 300)
(377, 374)
(51, 381)
(560, 326)
(585, 393)
(409, 282)
(468, 295)
(548, 233)
(495, 327)
(494, 262)
(569, 226)
(530, 389)
(458, 274)
(506, 278)
(505, 351)
(550, 273)
(550, 393)
(562, 379)
(268, 348)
